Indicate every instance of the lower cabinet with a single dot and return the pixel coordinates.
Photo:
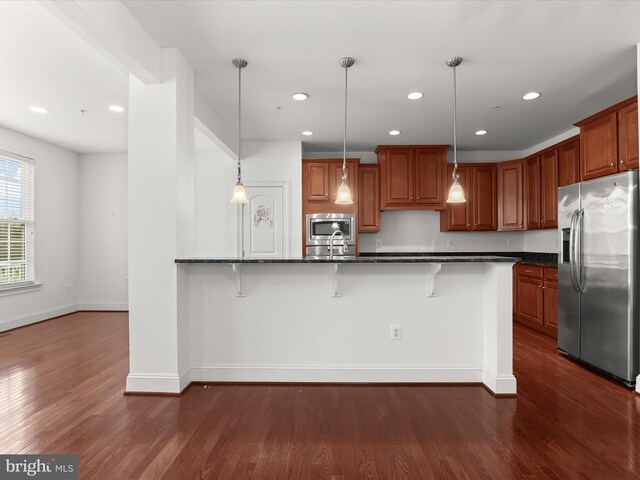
(536, 298)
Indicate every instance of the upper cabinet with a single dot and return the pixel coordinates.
(532, 192)
(510, 195)
(479, 212)
(609, 140)
(320, 181)
(549, 189)
(369, 200)
(412, 177)
(569, 162)
(628, 137)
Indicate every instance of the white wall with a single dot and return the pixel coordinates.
(419, 231)
(56, 233)
(103, 232)
(216, 217)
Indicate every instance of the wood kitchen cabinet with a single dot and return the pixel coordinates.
(316, 181)
(541, 190)
(369, 198)
(628, 137)
(510, 195)
(569, 162)
(412, 177)
(480, 211)
(532, 192)
(536, 298)
(549, 189)
(609, 140)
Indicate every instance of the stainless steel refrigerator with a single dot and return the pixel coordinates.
(598, 274)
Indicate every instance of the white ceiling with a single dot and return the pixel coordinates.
(580, 55)
(44, 63)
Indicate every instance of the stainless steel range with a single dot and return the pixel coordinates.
(331, 235)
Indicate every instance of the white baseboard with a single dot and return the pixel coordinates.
(22, 320)
(107, 306)
(330, 374)
(499, 384)
(153, 383)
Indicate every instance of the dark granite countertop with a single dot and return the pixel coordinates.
(441, 258)
(530, 258)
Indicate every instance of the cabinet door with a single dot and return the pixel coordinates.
(529, 302)
(484, 200)
(369, 198)
(316, 181)
(551, 300)
(599, 147)
(430, 170)
(457, 216)
(628, 137)
(549, 189)
(510, 196)
(399, 165)
(532, 192)
(569, 163)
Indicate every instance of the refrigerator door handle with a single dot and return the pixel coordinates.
(572, 250)
(578, 254)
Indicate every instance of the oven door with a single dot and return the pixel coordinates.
(320, 226)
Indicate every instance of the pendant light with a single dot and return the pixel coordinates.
(239, 194)
(343, 197)
(456, 195)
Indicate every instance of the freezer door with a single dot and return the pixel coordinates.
(608, 234)
(568, 296)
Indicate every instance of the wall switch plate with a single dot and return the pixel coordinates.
(378, 243)
(396, 332)
(449, 243)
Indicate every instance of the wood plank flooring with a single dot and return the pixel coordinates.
(61, 391)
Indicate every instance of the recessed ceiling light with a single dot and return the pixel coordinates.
(394, 132)
(531, 95)
(415, 95)
(37, 109)
(482, 132)
(300, 96)
(116, 108)
(307, 133)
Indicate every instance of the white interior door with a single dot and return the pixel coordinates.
(264, 221)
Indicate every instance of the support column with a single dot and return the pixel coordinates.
(497, 368)
(161, 225)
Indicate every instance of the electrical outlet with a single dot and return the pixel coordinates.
(68, 288)
(509, 242)
(449, 243)
(378, 243)
(396, 332)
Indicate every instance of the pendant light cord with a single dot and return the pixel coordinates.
(239, 117)
(455, 127)
(344, 145)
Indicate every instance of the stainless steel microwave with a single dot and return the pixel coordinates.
(320, 226)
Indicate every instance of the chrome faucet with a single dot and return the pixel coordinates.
(332, 239)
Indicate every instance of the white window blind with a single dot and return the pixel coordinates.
(16, 220)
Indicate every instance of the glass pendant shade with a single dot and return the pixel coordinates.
(456, 195)
(239, 194)
(343, 197)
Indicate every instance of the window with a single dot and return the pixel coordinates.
(16, 220)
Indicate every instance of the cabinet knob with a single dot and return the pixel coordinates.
(621, 161)
(611, 164)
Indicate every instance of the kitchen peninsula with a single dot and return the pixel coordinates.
(423, 319)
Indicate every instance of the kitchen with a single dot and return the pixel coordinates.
(445, 307)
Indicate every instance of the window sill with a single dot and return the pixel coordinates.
(19, 289)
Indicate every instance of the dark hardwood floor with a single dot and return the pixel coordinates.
(61, 391)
